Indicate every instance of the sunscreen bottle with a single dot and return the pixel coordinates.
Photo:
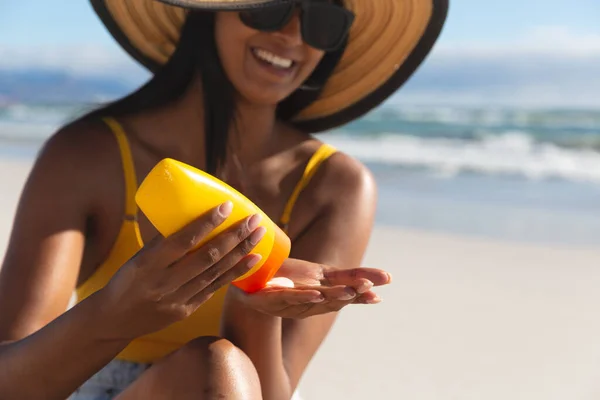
(173, 194)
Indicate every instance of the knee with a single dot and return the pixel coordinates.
(214, 351)
(219, 367)
(217, 356)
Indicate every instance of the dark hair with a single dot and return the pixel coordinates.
(196, 52)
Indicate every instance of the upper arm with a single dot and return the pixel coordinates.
(44, 252)
(338, 236)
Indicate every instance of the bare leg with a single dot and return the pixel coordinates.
(205, 369)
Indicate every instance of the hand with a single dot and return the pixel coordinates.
(302, 289)
(168, 280)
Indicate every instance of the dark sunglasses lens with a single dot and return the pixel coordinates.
(269, 18)
(324, 26)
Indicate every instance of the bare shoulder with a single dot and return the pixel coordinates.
(341, 195)
(81, 147)
(343, 181)
(345, 175)
(335, 213)
(76, 158)
(81, 141)
(341, 178)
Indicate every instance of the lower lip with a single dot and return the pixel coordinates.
(282, 72)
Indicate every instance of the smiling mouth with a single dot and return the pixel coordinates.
(274, 60)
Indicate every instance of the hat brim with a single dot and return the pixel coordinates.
(388, 42)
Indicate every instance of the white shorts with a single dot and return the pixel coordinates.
(115, 377)
(111, 380)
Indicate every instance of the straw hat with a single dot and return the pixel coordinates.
(387, 42)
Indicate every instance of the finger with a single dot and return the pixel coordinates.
(209, 276)
(338, 293)
(280, 298)
(199, 290)
(163, 252)
(219, 254)
(350, 276)
(340, 297)
(368, 298)
(234, 255)
(363, 286)
(220, 247)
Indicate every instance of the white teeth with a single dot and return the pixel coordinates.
(271, 58)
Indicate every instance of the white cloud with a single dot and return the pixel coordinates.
(550, 66)
(546, 40)
(541, 40)
(562, 40)
(524, 96)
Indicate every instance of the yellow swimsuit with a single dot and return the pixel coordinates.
(205, 321)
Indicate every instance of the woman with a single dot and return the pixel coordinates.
(235, 92)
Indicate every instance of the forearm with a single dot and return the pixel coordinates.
(259, 336)
(56, 360)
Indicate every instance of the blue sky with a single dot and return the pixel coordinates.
(544, 46)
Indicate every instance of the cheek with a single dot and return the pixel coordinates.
(313, 59)
(230, 44)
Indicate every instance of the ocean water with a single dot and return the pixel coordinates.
(518, 174)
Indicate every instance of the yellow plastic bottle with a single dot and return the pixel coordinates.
(174, 194)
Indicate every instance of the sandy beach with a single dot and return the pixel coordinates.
(466, 318)
(13, 176)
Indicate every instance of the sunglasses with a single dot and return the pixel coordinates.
(324, 26)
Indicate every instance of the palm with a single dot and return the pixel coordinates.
(302, 273)
(302, 288)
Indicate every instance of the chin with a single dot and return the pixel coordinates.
(266, 97)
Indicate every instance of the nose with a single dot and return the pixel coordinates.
(291, 33)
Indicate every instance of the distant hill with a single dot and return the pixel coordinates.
(477, 77)
(56, 86)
